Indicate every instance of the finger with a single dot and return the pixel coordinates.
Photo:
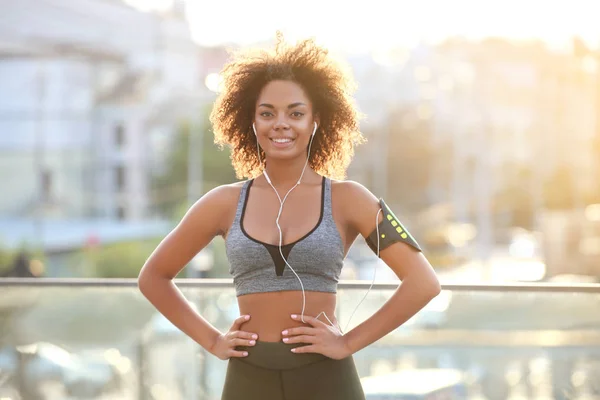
(301, 330)
(237, 324)
(243, 335)
(305, 349)
(243, 342)
(238, 353)
(301, 339)
(309, 320)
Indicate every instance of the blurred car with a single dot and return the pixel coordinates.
(42, 365)
(434, 314)
(416, 384)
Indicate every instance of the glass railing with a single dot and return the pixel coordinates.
(100, 339)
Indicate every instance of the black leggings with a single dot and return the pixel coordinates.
(272, 372)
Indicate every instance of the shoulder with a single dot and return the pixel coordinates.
(357, 203)
(218, 204)
(352, 193)
(222, 195)
(227, 192)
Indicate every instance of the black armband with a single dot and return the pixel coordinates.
(390, 232)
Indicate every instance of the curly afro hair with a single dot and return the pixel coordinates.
(325, 82)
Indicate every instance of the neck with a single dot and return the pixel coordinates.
(284, 173)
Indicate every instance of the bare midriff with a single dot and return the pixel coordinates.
(270, 313)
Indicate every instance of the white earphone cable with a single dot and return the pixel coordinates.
(374, 271)
(281, 203)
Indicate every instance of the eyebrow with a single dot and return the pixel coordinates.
(290, 106)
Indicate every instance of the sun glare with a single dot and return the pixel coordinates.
(150, 5)
(365, 25)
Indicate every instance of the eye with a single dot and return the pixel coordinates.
(265, 114)
(297, 114)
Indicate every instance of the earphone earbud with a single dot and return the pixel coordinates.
(315, 130)
(254, 129)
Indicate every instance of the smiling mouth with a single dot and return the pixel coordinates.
(282, 140)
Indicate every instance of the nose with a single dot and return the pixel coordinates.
(281, 124)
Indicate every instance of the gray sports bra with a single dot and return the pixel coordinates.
(257, 267)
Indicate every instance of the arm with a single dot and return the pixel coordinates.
(419, 283)
(203, 221)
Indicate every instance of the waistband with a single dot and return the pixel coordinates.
(278, 356)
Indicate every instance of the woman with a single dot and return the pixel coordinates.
(291, 124)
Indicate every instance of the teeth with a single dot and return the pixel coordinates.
(282, 140)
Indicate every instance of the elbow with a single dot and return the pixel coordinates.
(426, 286)
(436, 288)
(430, 287)
(145, 281)
(142, 281)
(431, 283)
(150, 280)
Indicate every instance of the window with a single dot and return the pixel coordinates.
(121, 214)
(46, 184)
(120, 178)
(119, 135)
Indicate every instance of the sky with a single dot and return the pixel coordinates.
(358, 26)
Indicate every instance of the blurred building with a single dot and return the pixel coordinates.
(92, 91)
(501, 123)
(89, 89)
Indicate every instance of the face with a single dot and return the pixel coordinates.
(284, 120)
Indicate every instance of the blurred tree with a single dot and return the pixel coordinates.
(595, 196)
(220, 267)
(579, 47)
(6, 258)
(124, 260)
(171, 187)
(559, 190)
(25, 257)
(410, 159)
(515, 199)
(119, 260)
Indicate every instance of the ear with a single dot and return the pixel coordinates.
(318, 120)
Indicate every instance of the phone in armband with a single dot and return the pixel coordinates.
(389, 231)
